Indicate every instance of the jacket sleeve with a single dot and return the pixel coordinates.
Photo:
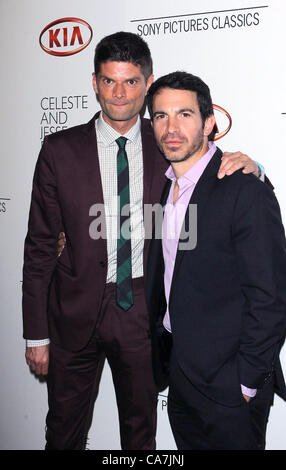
(268, 182)
(259, 242)
(40, 254)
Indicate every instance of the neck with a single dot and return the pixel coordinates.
(120, 126)
(180, 168)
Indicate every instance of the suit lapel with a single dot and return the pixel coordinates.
(91, 189)
(200, 196)
(90, 157)
(148, 146)
(165, 192)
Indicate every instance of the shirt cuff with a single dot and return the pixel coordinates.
(33, 343)
(249, 392)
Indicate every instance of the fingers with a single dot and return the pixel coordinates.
(60, 248)
(37, 359)
(39, 368)
(62, 239)
(232, 162)
(61, 243)
(231, 165)
(246, 397)
(62, 236)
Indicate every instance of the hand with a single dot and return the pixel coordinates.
(37, 357)
(232, 162)
(61, 243)
(246, 397)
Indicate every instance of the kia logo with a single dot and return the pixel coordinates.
(65, 36)
(223, 121)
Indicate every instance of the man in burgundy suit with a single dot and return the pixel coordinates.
(77, 309)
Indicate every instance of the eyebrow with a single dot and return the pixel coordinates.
(125, 80)
(183, 110)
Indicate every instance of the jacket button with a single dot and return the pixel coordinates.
(102, 263)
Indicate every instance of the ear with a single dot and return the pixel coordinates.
(209, 124)
(150, 80)
(94, 83)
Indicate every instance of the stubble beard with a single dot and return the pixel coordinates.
(195, 147)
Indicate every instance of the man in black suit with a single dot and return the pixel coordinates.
(216, 281)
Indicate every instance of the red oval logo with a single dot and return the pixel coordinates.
(66, 36)
(223, 121)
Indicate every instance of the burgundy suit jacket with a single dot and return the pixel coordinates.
(62, 296)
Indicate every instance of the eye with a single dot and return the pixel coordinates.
(132, 82)
(107, 81)
(185, 114)
(159, 116)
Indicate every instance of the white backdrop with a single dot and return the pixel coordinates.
(236, 46)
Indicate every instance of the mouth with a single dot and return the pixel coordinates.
(172, 140)
(172, 143)
(119, 105)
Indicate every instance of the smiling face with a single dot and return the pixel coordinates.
(121, 89)
(178, 125)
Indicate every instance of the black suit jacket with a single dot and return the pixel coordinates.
(228, 295)
(62, 296)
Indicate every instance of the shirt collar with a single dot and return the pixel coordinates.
(107, 135)
(196, 171)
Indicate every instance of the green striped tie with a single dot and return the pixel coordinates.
(124, 268)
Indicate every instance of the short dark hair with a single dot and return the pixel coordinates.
(184, 81)
(124, 47)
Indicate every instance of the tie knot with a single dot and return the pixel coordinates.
(121, 141)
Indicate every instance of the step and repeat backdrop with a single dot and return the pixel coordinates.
(47, 48)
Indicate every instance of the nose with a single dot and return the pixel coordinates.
(119, 90)
(172, 124)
